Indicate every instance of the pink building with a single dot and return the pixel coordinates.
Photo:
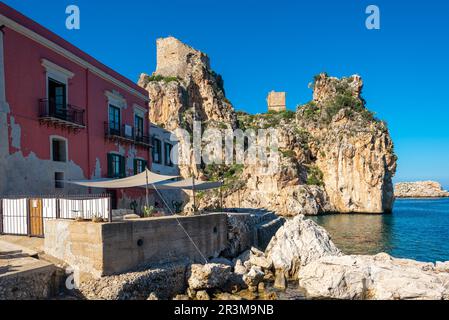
(64, 115)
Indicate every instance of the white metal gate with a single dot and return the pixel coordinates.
(15, 212)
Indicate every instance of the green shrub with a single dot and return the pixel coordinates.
(314, 176)
(288, 153)
(158, 78)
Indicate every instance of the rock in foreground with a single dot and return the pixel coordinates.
(296, 244)
(379, 277)
(208, 276)
(420, 189)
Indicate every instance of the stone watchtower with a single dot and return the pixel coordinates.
(276, 101)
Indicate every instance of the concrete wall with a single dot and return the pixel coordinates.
(110, 248)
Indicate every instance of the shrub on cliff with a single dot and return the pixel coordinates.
(314, 176)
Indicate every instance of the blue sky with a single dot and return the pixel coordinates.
(260, 46)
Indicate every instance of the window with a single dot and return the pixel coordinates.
(114, 120)
(59, 180)
(156, 151)
(139, 166)
(167, 154)
(138, 127)
(116, 166)
(59, 149)
(57, 98)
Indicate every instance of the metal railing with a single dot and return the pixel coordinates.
(127, 133)
(48, 108)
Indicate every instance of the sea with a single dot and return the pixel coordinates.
(417, 229)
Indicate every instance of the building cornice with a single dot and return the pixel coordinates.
(52, 67)
(69, 55)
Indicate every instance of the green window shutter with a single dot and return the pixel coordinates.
(135, 166)
(145, 164)
(122, 167)
(110, 172)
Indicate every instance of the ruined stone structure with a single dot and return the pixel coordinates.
(175, 57)
(276, 101)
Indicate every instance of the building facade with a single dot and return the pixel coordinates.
(164, 147)
(65, 116)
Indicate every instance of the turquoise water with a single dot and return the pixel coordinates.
(417, 229)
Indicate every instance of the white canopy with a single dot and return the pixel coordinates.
(139, 180)
(187, 184)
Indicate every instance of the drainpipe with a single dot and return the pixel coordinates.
(87, 127)
(4, 110)
(2, 72)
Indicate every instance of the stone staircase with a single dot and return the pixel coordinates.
(250, 228)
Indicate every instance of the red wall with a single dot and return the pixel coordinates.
(26, 84)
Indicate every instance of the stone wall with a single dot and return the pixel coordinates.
(37, 282)
(111, 248)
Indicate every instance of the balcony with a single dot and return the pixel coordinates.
(61, 115)
(126, 134)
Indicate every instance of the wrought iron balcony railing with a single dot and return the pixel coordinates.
(64, 114)
(125, 133)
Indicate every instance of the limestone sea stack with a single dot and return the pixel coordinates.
(420, 189)
(334, 155)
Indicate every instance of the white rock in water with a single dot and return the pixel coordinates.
(299, 242)
(208, 276)
(378, 277)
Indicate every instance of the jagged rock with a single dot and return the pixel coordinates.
(202, 295)
(254, 276)
(257, 258)
(181, 297)
(378, 277)
(420, 189)
(298, 242)
(152, 296)
(208, 276)
(239, 268)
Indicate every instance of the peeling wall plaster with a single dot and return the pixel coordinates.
(16, 133)
(33, 176)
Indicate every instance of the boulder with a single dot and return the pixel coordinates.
(257, 258)
(202, 295)
(254, 276)
(297, 243)
(208, 276)
(239, 268)
(378, 277)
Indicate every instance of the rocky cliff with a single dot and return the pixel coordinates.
(334, 155)
(420, 189)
